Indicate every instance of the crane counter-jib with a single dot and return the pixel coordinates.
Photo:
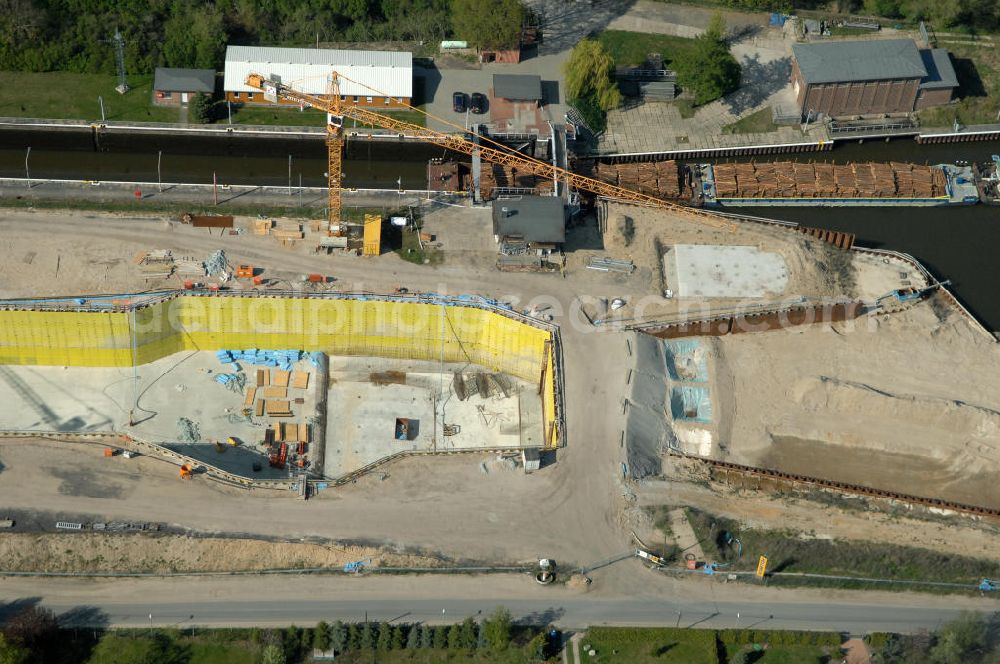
(458, 143)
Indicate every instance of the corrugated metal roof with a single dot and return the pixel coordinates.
(184, 80)
(843, 62)
(940, 72)
(534, 218)
(517, 86)
(307, 69)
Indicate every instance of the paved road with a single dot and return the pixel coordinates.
(305, 600)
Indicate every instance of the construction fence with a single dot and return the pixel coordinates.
(126, 332)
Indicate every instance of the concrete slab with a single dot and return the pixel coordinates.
(367, 395)
(724, 271)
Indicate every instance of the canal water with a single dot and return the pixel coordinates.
(957, 243)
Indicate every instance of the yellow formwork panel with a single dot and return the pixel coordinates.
(372, 242)
(404, 330)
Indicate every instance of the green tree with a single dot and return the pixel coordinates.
(353, 637)
(413, 638)
(440, 637)
(292, 642)
(34, 629)
(590, 82)
(321, 636)
(489, 24)
(10, 653)
(384, 641)
(708, 68)
(338, 636)
(366, 640)
(426, 636)
(497, 629)
(396, 642)
(455, 637)
(887, 8)
(272, 654)
(202, 109)
(469, 636)
(965, 639)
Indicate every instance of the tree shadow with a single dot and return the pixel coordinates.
(758, 81)
(970, 84)
(664, 649)
(783, 565)
(546, 617)
(564, 24)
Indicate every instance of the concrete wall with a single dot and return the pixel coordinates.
(395, 329)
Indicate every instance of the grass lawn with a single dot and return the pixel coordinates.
(978, 71)
(635, 645)
(274, 115)
(783, 654)
(409, 250)
(756, 123)
(787, 552)
(68, 96)
(631, 48)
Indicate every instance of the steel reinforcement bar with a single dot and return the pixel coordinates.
(844, 487)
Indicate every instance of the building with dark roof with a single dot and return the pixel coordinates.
(517, 87)
(872, 77)
(175, 86)
(529, 224)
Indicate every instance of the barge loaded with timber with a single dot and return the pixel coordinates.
(782, 183)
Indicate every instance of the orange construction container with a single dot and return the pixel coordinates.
(188, 285)
(315, 278)
(244, 271)
(258, 280)
(109, 451)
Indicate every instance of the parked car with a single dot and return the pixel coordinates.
(478, 104)
(458, 102)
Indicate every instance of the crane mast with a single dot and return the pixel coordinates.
(458, 143)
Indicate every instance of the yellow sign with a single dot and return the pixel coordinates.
(761, 567)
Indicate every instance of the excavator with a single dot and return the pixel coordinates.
(487, 149)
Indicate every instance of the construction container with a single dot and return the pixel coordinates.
(244, 271)
(188, 285)
(109, 451)
(315, 278)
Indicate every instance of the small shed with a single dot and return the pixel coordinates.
(529, 224)
(518, 87)
(531, 458)
(939, 84)
(175, 86)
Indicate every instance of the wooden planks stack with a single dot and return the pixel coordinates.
(860, 180)
(663, 179)
(492, 176)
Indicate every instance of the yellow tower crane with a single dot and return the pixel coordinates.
(495, 153)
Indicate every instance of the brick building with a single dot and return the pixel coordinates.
(876, 77)
(174, 87)
(308, 69)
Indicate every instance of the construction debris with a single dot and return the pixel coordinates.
(605, 264)
(187, 431)
(217, 263)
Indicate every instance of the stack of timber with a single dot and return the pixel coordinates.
(494, 176)
(155, 263)
(796, 180)
(663, 179)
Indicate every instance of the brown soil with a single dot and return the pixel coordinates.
(91, 552)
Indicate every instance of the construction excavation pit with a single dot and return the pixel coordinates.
(329, 387)
(905, 403)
